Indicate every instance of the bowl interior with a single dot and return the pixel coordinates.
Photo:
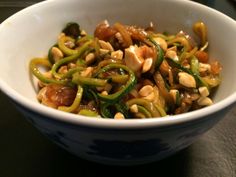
(31, 32)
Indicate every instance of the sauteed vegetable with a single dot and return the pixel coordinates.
(125, 71)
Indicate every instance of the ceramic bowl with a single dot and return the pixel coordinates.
(32, 31)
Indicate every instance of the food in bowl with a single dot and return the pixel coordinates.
(125, 71)
(123, 142)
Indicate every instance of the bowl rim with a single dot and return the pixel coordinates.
(112, 123)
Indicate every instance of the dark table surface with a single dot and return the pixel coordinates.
(24, 152)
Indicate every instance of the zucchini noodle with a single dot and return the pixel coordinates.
(127, 72)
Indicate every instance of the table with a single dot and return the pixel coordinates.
(24, 152)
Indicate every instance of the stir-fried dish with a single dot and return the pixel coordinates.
(127, 71)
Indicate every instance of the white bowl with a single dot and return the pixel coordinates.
(32, 31)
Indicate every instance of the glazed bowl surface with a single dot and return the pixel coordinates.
(33, 30)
